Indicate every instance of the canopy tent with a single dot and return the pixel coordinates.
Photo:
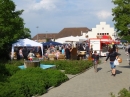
(26, 43)
(51, 43)
(71, 39)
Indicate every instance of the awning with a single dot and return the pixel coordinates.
(109, 41)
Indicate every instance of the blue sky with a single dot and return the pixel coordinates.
(51, 16)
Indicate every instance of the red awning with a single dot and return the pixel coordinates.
(105, 37)
(109, 41)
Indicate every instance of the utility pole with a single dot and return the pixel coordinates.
(37, 32)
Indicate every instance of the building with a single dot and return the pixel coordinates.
(76, 31)
(102, 29)
(42, 37)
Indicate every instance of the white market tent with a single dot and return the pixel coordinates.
(71, 39)
(26, 43)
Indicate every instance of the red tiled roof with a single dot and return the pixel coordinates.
(72, 31)
(45, 36)
(75, 31)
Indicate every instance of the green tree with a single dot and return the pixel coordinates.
(11, 26)
(27, 33)
(121, 14)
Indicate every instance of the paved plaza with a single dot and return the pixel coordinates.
(91, 84)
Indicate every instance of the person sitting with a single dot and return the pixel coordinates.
(31, 55)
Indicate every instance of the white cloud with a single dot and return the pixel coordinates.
(45, 4)
(104, 14)
(54, 15)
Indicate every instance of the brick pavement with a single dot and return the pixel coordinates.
(91, 84)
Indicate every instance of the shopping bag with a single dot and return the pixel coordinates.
(116, 62)
(119, 60)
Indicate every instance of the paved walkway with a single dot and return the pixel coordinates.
(91, 84)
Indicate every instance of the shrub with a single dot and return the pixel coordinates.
(7, 70)
(77, 67)
(70, 66)
(16, 62)
(11, 69)
(56, 77)
(122, 93)
(31, 81)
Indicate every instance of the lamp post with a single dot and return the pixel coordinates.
(46, 36)
(37, 32)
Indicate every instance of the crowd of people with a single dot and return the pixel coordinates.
(27, 53)
(66, 49)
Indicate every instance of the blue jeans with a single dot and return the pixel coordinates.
(112, 65)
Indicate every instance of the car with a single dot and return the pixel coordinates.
(120, 46)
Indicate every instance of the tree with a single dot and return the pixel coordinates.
(11, 26)
(27, 33)
(121, 14)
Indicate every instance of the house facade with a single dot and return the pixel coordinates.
(101, 30)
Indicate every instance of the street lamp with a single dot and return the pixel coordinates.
(37, 32)
(46, 34)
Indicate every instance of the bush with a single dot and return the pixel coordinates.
(78, 67)
(16, 62)
(56, 77)
(70, 66)
(122, 93)
(31, 81)
(11, 69)
(7, 70)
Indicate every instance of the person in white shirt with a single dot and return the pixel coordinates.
(21, 53)
(31, 55)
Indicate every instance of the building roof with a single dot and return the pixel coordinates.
(44, 36)
(76, 31)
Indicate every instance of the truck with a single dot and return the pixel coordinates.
(101, 45)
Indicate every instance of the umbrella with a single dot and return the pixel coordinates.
(51, 43)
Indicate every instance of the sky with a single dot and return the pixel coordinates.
(51, 16)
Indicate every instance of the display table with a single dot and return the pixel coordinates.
(31, 64)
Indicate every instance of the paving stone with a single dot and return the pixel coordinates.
(91, 84)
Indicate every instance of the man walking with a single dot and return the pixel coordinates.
(129, 53)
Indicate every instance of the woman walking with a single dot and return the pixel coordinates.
(95, 58)
(112, 56)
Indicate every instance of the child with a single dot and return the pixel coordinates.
(95, 58)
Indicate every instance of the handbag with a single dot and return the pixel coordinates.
(119, 60)
(116, 62)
